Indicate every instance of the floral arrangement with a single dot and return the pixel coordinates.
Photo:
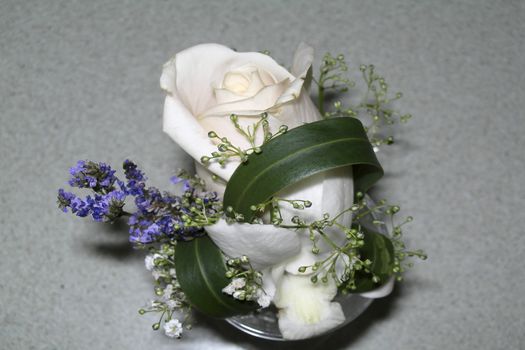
(274, 215)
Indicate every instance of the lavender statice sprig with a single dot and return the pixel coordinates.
(158, 216)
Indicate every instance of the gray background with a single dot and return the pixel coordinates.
(79, 80)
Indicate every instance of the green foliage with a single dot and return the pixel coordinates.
(302, 152)
(201, 272)
(227, 150)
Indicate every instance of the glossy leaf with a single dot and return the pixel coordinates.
(201, 273)
(302, 152)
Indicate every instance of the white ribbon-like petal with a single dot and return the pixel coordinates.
(382, 291)
(265, 245)
(306, 309)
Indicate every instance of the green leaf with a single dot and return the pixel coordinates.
(302, 152)
(201, 272)
(379, 250)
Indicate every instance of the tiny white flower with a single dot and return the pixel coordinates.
(263, 299)
(173, 304)
(173, 273)
(229, 289)
(239, 294)
(168, 291)
(173, 328)
(149, 261)
(156, 274)
(238, 283)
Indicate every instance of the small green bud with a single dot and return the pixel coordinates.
(313, 279)
(302, 269)
(156, 326)
(205, 159)
(142, 311)
(212, 135)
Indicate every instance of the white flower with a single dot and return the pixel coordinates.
(149, 260)
(238, 283)
(229, 289)
(156, 274)
(263, 299)
(207, 83)
(306, 309)
(168, 291)
(173, 328)
(173, 304)
(239, 294)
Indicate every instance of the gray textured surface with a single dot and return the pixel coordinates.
(79, 79)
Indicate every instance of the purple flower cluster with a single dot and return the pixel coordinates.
(106, 203)
(97, 176)
(157, 216)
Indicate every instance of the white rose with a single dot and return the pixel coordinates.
(207, 83)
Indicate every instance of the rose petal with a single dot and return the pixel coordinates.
(302, 60)
(305, 309)
(202, 67)
(265, 99)
(265, 245)
(382, 291)
(181, 126)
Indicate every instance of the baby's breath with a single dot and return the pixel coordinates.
(374, 107)
(226, 150)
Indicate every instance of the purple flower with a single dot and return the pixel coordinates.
(158, 216)
(97, 176)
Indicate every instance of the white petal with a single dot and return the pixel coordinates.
(168, 79)
(330, 192)
(305, 309)
(262, 101)
(382, 291)
(201, 68)
(299, 112)
(302, 60)
(265, 245)
(182, 127)
(304, 258)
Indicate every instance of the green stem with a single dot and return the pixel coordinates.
(321, 100)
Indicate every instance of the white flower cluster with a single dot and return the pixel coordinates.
(239, 289)
(170, 297)
(173, 328)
